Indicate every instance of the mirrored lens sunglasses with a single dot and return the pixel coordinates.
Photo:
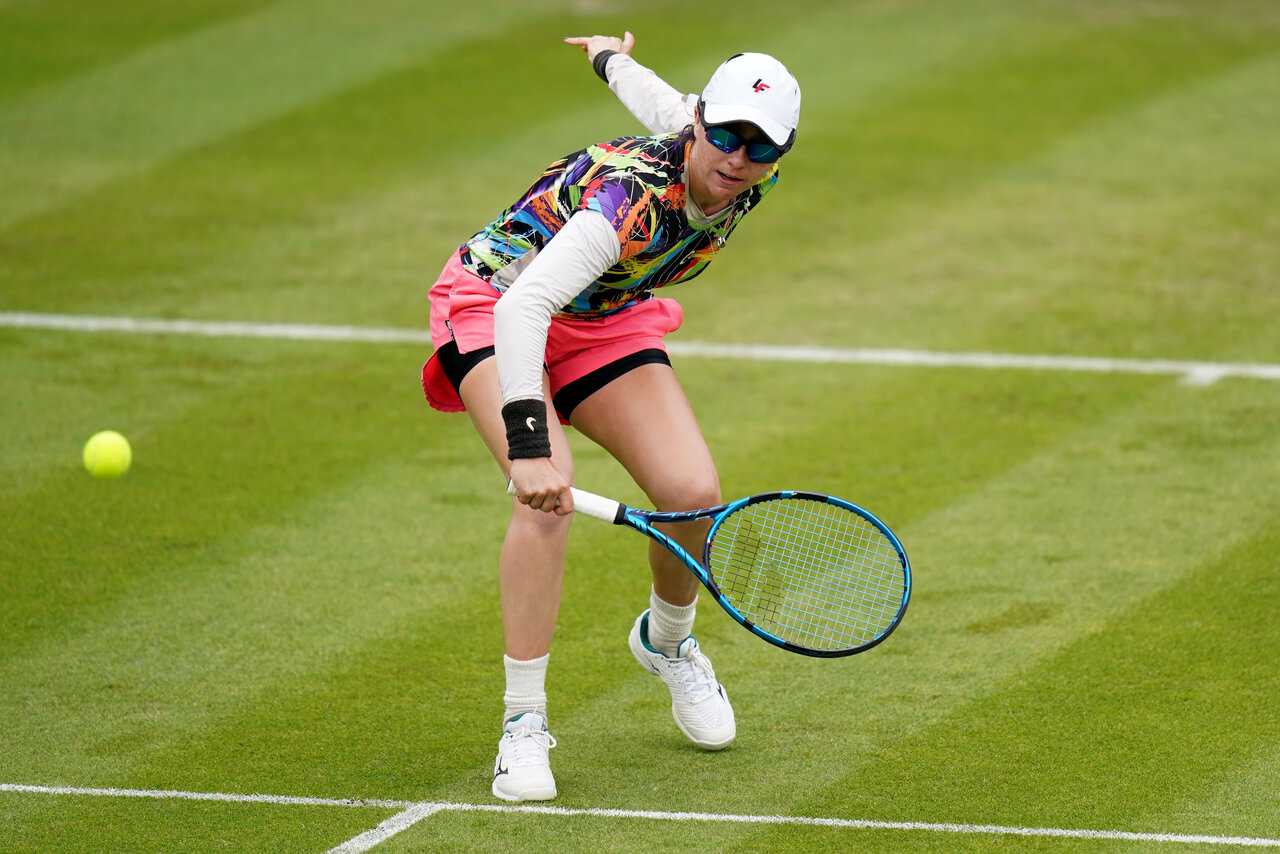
(729, 142)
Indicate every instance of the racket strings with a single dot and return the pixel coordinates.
(814, 574)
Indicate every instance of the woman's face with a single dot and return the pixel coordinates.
(715, 178)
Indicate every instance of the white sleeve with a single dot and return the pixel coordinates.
(659, 107)
(575, 257)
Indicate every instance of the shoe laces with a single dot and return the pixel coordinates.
(698, 676)
(528, 746)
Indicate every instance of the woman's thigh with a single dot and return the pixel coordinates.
(644, 419)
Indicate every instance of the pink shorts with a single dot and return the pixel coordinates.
(462, 312)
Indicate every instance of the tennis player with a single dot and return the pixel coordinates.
(547, 316)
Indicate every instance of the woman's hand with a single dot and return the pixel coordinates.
(594, 44)
(541, 486)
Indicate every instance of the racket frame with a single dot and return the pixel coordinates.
(617, 513)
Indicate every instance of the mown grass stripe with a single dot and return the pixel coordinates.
(304, 595)
(1156, 231)
(193, 88)
(42, 43)
(1007, 577)
(1138, 722)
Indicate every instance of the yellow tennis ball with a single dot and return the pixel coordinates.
(107, 454)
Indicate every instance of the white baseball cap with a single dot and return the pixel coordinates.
(755, 88)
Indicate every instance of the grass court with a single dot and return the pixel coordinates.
(279, 631)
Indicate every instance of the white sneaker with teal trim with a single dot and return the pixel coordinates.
(698, 702)
(522, 771)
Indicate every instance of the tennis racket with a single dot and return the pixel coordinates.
(810, 573)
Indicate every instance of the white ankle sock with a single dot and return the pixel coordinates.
(669, 624)
(526, 687)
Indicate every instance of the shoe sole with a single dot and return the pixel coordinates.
(710, 746)
(529, 795)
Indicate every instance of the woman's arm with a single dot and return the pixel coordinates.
(575, 257)
(658, 106)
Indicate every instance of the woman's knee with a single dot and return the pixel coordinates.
(526, 521)
(686, 491)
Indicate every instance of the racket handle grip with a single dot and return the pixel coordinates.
(588, 504)
(595, 506)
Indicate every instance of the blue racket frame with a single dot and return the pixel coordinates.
(644, 520)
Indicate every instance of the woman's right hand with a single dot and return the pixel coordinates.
(541, 486)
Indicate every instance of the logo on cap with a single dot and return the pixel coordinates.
(759, 86)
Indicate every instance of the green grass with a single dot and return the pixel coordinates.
(293, 590)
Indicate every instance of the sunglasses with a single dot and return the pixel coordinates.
(729, 142)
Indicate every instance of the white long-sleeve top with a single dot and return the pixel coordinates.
(577, 256)
(659, 107)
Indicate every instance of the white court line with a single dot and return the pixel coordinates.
(164, 794)
(1196, 373)
(413, 812)
(387, 829)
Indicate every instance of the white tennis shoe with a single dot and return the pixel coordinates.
(698, 701)
(522, 771)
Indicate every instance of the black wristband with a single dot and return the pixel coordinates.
(527, 434)
(601, 60)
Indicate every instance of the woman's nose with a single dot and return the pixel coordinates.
(739, 157)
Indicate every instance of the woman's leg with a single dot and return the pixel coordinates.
(645, 421)
(531, 565)
(531, 574)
